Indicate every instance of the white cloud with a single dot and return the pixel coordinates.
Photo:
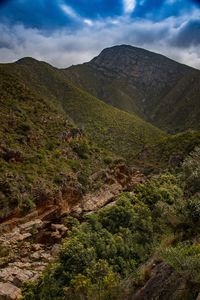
(69, 11)
(129, 6)
(63, 48)
(88, 22)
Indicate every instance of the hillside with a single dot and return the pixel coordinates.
(123, 133)
(169, 152)
(38, 108)
(155, 87)
(37, 166)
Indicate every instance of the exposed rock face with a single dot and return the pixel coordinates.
(9, 292)
(142, 68)
(24, 259)
(72, 192)
(164, 284)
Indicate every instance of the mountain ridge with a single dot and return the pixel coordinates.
(137, 80)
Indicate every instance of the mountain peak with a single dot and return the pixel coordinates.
(27, 60)
(140, 81)
(130, 53)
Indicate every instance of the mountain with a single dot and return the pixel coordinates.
(39, 108)
(153, 86)
(113, 129)
(95, 202)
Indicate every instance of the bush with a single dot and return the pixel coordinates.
(98, 254)
(189, 214)
(165, 188)
(100, 283)
(81, 148)
(185, 260)
(191, 171)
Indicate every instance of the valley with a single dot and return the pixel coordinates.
(100, 179)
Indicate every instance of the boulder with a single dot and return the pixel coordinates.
(9, 292)
(22, 276)
(36, 255)
(15, 275)
(37, 247)
(59, 227)
(29, 225)
(56, 235)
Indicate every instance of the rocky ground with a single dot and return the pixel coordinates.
(28, 249)
(28, 244)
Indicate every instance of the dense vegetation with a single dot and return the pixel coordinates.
(100, 257)
(170, 151)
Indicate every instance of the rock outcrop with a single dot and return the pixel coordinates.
(28, 244)
(164, 284)
(25, 253)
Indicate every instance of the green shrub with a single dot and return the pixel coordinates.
(81, 148)
(98, 254)
(108, 160)
(185, 260)
(165, 188)
(191, 171)
(188, 212)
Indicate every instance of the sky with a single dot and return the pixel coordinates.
(66, 32)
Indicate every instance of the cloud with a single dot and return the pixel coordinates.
(188, 35)
(176, 37)
(69, 11)
(129, 6)
(88, 22)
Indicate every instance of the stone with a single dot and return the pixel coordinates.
(37, 247)
(29, 225)
(46, 256)
(36, 255)
(15, 275)
(20, 265)
(59, 227)
(17, 237)
(25, 236)
(22, 277)
(9, 292)
(56, 235)
(55, 250)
